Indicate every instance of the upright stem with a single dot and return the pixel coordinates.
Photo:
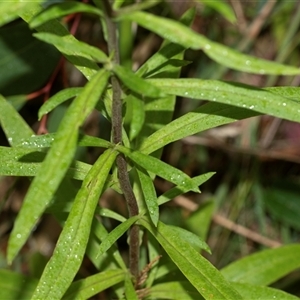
(116, 118)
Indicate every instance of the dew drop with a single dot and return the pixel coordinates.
(248, 62)
(186, 93)
(251, 107)
(284, 104)
(224, 52)
(19, 236)
(207, 46)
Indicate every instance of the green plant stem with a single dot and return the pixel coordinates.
(116, 117)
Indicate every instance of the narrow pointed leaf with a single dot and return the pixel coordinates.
(13, 125)
(135, 114)
(174, 290)
(159, 112)
(149, 192)
(160, 168)
(87, 67)
(239, 95)
(130, 292)
(114, 235)
(168, 50)
(201, 274)
(290, 92)
(59, 10)
(92, 285)
(71, 46)
(11, 12)
(249, 291)
(176, 191)
(56, 163)
(202, 118)
(265, 267)
(195, 241)
(46, 141)
(58, 99)
(137, 84)
(180, 34)
(70, 248)
(222, 7)
(24, 162)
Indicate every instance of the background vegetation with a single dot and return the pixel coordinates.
(250, 204)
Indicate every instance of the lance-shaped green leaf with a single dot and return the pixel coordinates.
(59, 10)
(92, 285)
(11, 12)
(201, 274)
(114, 235)
(249, 291)
(27, 162)
(46, 141)
(291, 92)
(265, 267)
(137, 84)
(56, 163)
(174, 290)
(58, 99)
(202, 118)
(70, 248)
(130, 292)
(87, 67)
(15, 286)
(13, 125)
(159, 112)
(168, 50)
(222, 7)
(176, 191)
(180, 34)
(149, 192)
(239, 95)
(135, 115)
(160, 168)
(71, 46)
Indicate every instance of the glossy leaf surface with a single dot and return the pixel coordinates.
(69, 45)
(222, 7)
(70, 248)
(149, 192)
(201, 274)
(13, 125)
(59, 10)
(265, 267)
(137, 84)
(180, 34)
(87, 67)
(176, 191)
(92, 285)
(56, 163)
(11, 12)
(205, 117)
(174, 290)
(239, 95)
(58, 99)
(249, 291)
(113, 236)
(160, 168)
